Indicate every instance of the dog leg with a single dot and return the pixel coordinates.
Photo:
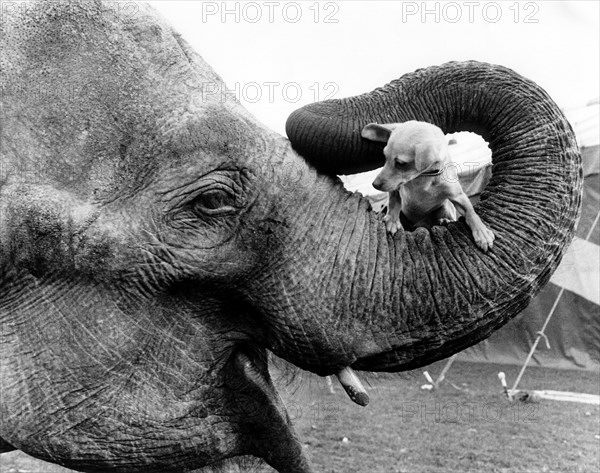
(483, 236)
(392, 218)
(445, 214)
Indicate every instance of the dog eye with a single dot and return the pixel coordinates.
(214, 202)
(399, 165)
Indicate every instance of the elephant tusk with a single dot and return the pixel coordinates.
(353, 387)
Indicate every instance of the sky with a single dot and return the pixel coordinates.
(280, 55)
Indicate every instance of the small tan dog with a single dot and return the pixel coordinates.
(423, 190)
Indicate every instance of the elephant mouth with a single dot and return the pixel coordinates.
(263, 416)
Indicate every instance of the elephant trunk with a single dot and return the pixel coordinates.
(396, 303)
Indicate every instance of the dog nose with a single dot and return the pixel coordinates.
(377, 184)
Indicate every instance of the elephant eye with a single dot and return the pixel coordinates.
(214, 202)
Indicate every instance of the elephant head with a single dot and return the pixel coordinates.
(156, 241)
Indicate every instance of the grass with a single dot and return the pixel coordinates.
(467, 428)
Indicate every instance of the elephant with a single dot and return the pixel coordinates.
(157, 241)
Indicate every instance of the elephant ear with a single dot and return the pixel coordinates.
(377, 132)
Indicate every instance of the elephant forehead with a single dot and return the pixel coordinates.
(106, 98)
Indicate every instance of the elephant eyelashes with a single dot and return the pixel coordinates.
(214, 202)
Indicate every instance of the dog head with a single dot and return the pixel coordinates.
(412, 148)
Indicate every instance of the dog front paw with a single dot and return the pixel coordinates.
(484, 238)
(392, 224)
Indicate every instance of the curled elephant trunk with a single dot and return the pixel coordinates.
(433, 293)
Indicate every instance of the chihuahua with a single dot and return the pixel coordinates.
(423, 189)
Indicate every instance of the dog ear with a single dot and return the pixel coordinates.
(429, 153)
(377, 132)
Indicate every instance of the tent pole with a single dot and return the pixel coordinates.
(539, 336)
(541, 333)
(447, 366)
